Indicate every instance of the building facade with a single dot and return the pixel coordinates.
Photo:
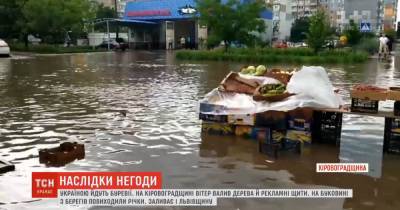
(388, 14)
(282, 19)
(170, 22)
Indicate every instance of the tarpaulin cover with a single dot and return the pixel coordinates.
(311, 86)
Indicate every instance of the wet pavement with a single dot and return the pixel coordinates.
(45, 100)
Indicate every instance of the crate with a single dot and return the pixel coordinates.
(63, 154)
(327, 127)
(271, 150)
(290, 145)
(213, 118)
(364, 105)
(214, 128)
(272, 119)
(369, 95)
(6, 166)
(391, 143)
(242, 119)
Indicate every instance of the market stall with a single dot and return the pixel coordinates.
(285, 109)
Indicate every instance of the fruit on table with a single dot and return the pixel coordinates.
(251, 70)
(260, 70)
(272, 89)
(362, 87)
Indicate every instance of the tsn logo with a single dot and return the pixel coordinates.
(44, 185)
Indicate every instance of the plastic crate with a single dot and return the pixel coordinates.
(391, 143)
(271, 150)
(327, 127)
(365, 106)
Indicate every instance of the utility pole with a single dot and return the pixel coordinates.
(116, 15)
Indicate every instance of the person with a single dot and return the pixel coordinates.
(389, 44)
(183, 42)
(169, 43)
(382, 46)
(189, 43)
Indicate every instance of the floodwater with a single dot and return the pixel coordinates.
(45, 100)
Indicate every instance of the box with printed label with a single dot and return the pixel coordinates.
(242, 119)
(218, 128)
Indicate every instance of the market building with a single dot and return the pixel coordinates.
(172, 22)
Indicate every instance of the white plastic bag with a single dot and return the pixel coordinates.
(313, 88)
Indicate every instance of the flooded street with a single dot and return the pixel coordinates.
(45, 100)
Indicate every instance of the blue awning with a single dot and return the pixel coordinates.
(126, 21)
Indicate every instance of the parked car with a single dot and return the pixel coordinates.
(4, 48)
(114, 45)
(282, 45)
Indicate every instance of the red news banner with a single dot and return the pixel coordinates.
(47, 184)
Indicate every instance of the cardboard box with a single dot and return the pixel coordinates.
(369, 95)
(301, 136)
(242, 119)
(272, 119)
(214, 118)
(244, 131)
(205, 107)
(218, 128)
(300, 119)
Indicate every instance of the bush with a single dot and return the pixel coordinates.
(51, 49)
(369, 45)
(271, 55)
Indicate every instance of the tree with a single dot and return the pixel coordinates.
(104, 12)
(231, 20)
(299, 29)
(10, 14)
(319, 31)
(353, 33)
(51, 20)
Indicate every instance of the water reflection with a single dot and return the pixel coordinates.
(46, 100)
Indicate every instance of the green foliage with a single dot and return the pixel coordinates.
(11, 18)
(231, 20)
(319, 30)
(104, 12)
(51, 49)
(299, 30)
(391, 33)
(52, 19)
(271, 55)
(369, 45)
(353, 33)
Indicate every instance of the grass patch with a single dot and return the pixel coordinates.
(271, 55)
(52, 49)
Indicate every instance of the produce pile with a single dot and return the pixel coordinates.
(272, 89)
(251, 70)
(248, 82)
(363, 87)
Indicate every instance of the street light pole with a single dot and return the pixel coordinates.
(116, 15)
(108, 34)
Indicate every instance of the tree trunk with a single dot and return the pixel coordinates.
(26, 42)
